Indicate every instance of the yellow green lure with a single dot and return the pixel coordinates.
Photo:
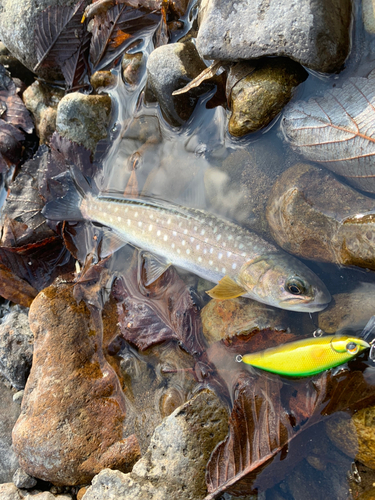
(308, 356)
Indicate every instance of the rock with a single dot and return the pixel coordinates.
(71, 422)
(16, 346)
(224, 319)
(81, 492)
(368, 494)
(133, 68)
(315, 34)
(313, 215)
(102, 79)
(349, 312)
(22, 480)
(368, 10)
(174, 464)
(9, 412)
(171, 67)
(231, 189)
(42, 100)
(84, 118)
(9, 492)
(17, 397)
(260, 96)
(355, 436)
(18, 20)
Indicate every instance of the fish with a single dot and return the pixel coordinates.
(306, 357)
(218, 250)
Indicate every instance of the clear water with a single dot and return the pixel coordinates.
(201, 165)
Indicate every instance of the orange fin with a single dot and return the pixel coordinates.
(226, 289)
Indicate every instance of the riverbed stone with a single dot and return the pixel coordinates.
(171, 67)
(260, 96)
(84, 118)
(133, 67)
(18, 19)
(8, 491)
(349, 312)
(71, 422)
(23, 480)
(368, 15)
(174, 464)
(315, 34)
(42, 100)
(313, 215)
(16, 346)
(9, 412)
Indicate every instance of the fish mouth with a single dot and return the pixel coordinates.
(305, 305)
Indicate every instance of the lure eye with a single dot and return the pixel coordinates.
(295, 286)
(352, 348)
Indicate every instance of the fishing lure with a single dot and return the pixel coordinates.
(306, 357)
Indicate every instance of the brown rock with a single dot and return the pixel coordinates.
(223, 319)
(349, 310)
(368, 495)
(71, 422)
(101, 79)
(313, 215)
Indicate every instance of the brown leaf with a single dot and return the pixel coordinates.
(10, 142)
(135, 23)
(163, 311)
(204, 75)
(15, 289)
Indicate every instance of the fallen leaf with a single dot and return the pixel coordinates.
(204, 75)
(136, 23)
(338, 130)
(162, 311)
(10, 142)
(120, 38)
(15, 289)
(62, 41)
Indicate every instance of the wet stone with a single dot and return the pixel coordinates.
(313, 215)
(16, 346)
(22, 480)
(349, 312)
(174, 464)
(71, 422)
(368, 14)
(102, 79)
(259, 97)
(133, 67)
(169, 68)
(42, 100)
(224, 319)
(315, 34)
(9, 412)
(84, 118)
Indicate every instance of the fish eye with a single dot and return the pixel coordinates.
(352, 348)
(295, 286)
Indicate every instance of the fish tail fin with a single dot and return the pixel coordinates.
(68, 206)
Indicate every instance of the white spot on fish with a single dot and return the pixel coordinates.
(188, 251)
(135, 214)
(179, 224)
(199, 259)
(109, 207)
(195, 228)
(205, 250)
(210, 262)
(192, 239)
(150, 227)
(128, 221)
(215, 229)
(111, 219)
(230, 237)
(119, 219)
(151, 216)
(243, 254)
(139, 224)
(198, 247)
(202, 232)
(183, 242)
(173, 245)
(126, 209)
(185, 231)
(240, 246)
(116, 209)
(218, 237)
(234, 265)
(216, 268)
(223, 270)
(220, 255)
(100, 209)
(229, 254)
(165, 237)
(158, 233)
(174, 233)
(178, 251)
(211, 250)
(169, 221)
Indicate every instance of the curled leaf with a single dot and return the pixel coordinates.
(204, 75)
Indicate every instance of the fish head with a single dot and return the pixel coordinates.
(349, 345)
(283, 281)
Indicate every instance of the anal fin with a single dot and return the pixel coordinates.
(154, 267)
(226, 289)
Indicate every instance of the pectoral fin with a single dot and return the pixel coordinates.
(154, 267)
(226, 289)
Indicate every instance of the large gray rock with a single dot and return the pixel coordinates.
(174, 464)
(9, 412)
(316, 34)
(18, 19)
(169, 68)
(16, 346)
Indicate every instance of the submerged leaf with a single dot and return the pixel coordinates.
(115, 29)
(338, 130)
(163, 311)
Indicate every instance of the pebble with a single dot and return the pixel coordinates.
(368, 14)
(9, 412)
(22, 480)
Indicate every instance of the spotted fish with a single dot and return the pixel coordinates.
(239, 261)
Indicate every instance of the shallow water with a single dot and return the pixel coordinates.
(201, 165)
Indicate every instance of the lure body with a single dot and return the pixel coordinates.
(308, 356)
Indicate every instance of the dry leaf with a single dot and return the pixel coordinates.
(338, 130)
(205, 75)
